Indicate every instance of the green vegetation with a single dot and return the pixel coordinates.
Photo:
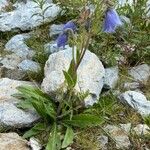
(65, 121)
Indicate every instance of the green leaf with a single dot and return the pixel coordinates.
(69, 79)
(52, 142)
(50, 110)
(72, 72)
(84, 120)
(39, 107)
(38, 128)
(68, 139)
(25, 104)
(31, 91)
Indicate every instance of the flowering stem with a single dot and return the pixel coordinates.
(74, 38)
(84, 50)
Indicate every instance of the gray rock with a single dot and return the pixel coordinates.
(9, 68)
(3, 4)
(90, 77)
(55, 30)
(17, 65)
(29, 66)
(8, 87)
(132, 3)
(131, 86)
(10, 115)
(13, 67)
(137, 101)
(141, 129)
(12, 141)
(119, 135)
(103, 140)
(111, 77)
(22, 17)
(140, 73)
(13, 117)
(10, 61)
(51, 48)
(18, 46)
(124, 2)
(125, 19)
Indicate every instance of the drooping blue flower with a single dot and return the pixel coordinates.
(63, 37)
(70, 25)
(112, 21)
(62, 40)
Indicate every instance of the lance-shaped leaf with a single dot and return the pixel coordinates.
(68, 139)
(84, 120)
(38, 128)
(52, 142)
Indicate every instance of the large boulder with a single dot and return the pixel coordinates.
(90, 74)
(28, 15)
(137, 101)
(10, 115)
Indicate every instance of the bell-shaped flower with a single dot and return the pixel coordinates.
(112, 21)
(62, 40)
(63, 37)
(70, 25)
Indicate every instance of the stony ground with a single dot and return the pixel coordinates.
(30, 57)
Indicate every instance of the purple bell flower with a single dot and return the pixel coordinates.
(62, 40)
(112, 21)
(63, 37)
(70, 25)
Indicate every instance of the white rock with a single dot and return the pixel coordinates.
(140, 73)
(137, 101)
(10, 115)
(142, 129)
(12, 141)
(35, 144)
(90, 77)
(18, 46)
(119, 135)
(22, 17)
(111, 77)
(29, 66)
(55, 30)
